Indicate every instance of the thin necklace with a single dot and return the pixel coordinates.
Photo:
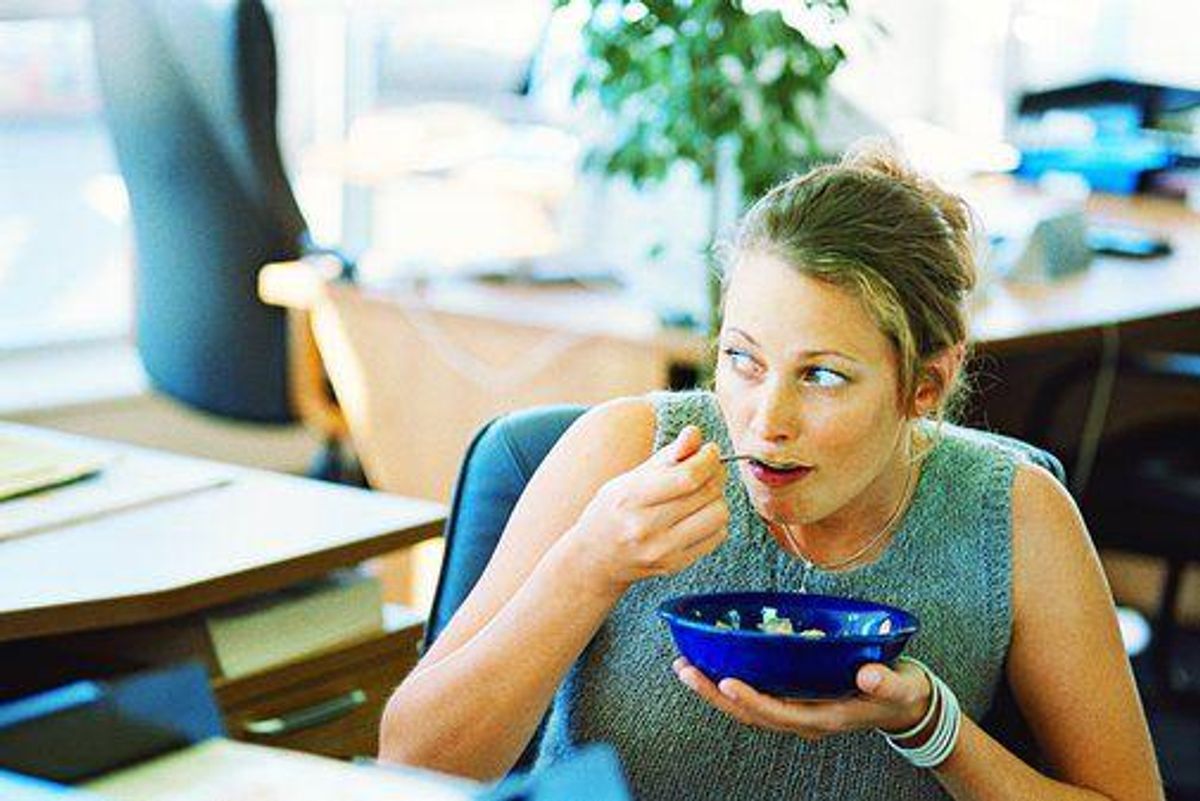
(809, 564)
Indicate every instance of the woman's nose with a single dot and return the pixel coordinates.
(776, 414)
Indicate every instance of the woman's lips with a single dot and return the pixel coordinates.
(776, 477)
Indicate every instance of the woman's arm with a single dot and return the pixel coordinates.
(1067, 667)
(597, 515)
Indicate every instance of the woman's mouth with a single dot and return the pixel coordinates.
(776, 475)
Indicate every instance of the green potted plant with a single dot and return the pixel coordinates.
(731, 87)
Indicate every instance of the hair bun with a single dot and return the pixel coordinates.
(881, 156)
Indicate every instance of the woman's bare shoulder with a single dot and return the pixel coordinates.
(1051, 547)
(1064, 625)
(607, 440)
(1040, 502)
(604, 442)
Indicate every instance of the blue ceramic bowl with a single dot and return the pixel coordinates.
(792, 665)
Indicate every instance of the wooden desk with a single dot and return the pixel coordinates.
(164, 563)
(417, 370)
(1021, 317)
(1005, 315)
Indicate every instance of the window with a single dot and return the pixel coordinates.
(66, 240)
(65, 247)
(424, 132)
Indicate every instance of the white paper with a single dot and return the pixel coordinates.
(124, 482)
(225, 770)
(27, 465)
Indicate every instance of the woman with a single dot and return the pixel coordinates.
(842, 343)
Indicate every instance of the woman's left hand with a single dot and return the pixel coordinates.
(892, 699)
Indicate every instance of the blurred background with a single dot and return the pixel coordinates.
(423, 87)
(512, 202)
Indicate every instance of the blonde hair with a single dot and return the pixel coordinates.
(871, 225)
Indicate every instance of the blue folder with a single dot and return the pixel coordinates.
(87, 728)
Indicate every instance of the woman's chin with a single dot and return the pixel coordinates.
(773, 505)
(783, 503)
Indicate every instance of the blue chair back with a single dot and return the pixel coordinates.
(189, 90)
(500, 460)
(499, 463)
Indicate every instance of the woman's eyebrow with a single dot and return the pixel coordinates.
(812, 354)
(799, 354)
(734, 330)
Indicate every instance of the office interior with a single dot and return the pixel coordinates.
(425, 240)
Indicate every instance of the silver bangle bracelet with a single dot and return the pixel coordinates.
(933, 698)
(940, 745)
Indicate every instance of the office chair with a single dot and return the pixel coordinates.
(499, 463)
(190, 97)
(1141, 493)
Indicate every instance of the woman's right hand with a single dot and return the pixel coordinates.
(656, 519)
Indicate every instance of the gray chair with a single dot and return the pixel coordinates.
(500, 460)
(189, 89)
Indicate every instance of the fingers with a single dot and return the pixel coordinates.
(811, 720)
(698, 535)
(686, 442)
(698, 528)
(884, 684)
(660, 482)
(700, 684)
(669, 513)
(721, 697)
(666, 514)
(905, 691)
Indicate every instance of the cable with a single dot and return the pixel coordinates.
(1097, 411)
(487, 376)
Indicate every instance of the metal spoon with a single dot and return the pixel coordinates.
(733, 457)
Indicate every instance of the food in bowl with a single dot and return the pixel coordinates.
(787, 644)
(772, 623)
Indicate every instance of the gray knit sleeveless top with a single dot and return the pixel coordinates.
(949, 562)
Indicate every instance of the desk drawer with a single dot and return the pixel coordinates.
(329, 705)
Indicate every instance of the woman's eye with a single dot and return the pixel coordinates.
(740, 360)
(824, 377)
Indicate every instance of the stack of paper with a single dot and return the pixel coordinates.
(272, 629)
(258, 633)
(28, 465)
(119, 483)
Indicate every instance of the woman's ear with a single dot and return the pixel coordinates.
(937, 378)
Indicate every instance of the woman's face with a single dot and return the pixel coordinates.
(808, 384)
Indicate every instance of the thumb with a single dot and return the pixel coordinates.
(882, 683)
(687, 442)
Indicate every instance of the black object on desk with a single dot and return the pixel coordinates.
(1135, 243)
(87, 728)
